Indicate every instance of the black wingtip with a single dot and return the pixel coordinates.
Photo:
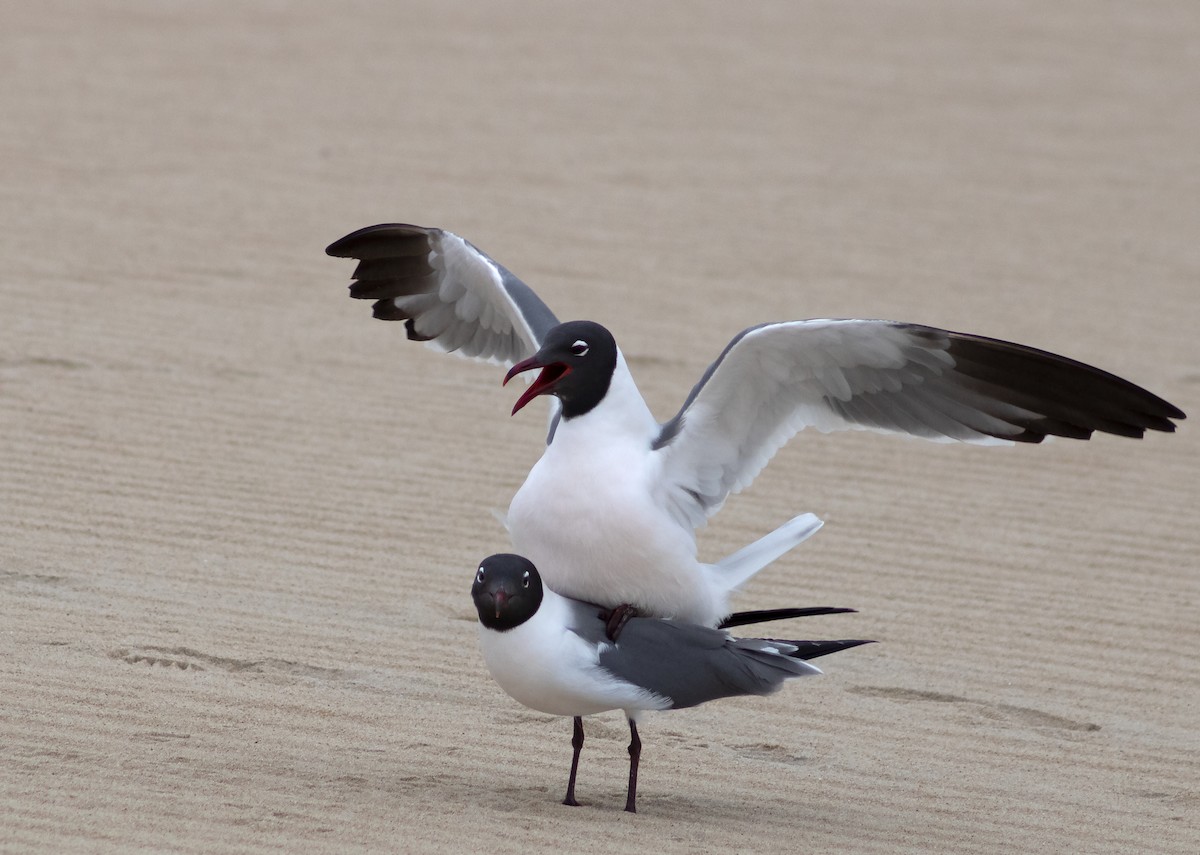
(344, 247)
(765, 615)
(385, 310)
(365, 242)
(812, 649)
(1073, 398)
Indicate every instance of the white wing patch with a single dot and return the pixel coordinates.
(778, 379)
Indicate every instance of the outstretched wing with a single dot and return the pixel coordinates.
(448, 293)
(776, 379)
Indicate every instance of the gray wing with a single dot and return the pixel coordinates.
(776, 379)
(691, 664)
(448, 293)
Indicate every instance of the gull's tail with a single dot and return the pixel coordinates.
(777, 660)
(735, 569)
(764, 615)
(812, 649)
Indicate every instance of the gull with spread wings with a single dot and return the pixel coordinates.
(610, 510)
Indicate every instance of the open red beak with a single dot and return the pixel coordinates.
(545, 381)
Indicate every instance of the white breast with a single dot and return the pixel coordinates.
(546, 667)
(593, 519)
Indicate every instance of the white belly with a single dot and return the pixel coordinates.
(548, 668)
(592, 527)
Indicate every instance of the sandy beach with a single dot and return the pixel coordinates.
(240, 518)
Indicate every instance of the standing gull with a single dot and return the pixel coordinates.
(553, 654)
(610, 510)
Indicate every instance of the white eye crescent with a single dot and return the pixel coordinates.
(479, 576)
(525, 580)
(579, 348)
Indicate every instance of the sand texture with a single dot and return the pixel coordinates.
(240, 517)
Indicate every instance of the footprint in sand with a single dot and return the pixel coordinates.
(189, 659)
(1026, 716)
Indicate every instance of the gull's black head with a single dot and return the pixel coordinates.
(507, 591)
(577, 361)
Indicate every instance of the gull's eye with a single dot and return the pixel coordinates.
(525, 580)
(579, 348)
(479, 576)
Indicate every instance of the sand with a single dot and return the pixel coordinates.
(240, 518)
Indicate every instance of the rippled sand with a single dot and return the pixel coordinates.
(240, 518)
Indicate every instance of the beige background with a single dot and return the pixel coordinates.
(239, 517)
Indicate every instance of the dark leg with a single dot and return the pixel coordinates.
(635, 753)
(577, 744)
(617, 618)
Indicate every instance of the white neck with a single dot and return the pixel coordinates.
(621, 414)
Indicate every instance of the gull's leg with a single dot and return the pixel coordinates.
(617, 618)
(635, 753)
(577, 744)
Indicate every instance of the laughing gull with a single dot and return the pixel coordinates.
(553, 654)
(611, 508)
